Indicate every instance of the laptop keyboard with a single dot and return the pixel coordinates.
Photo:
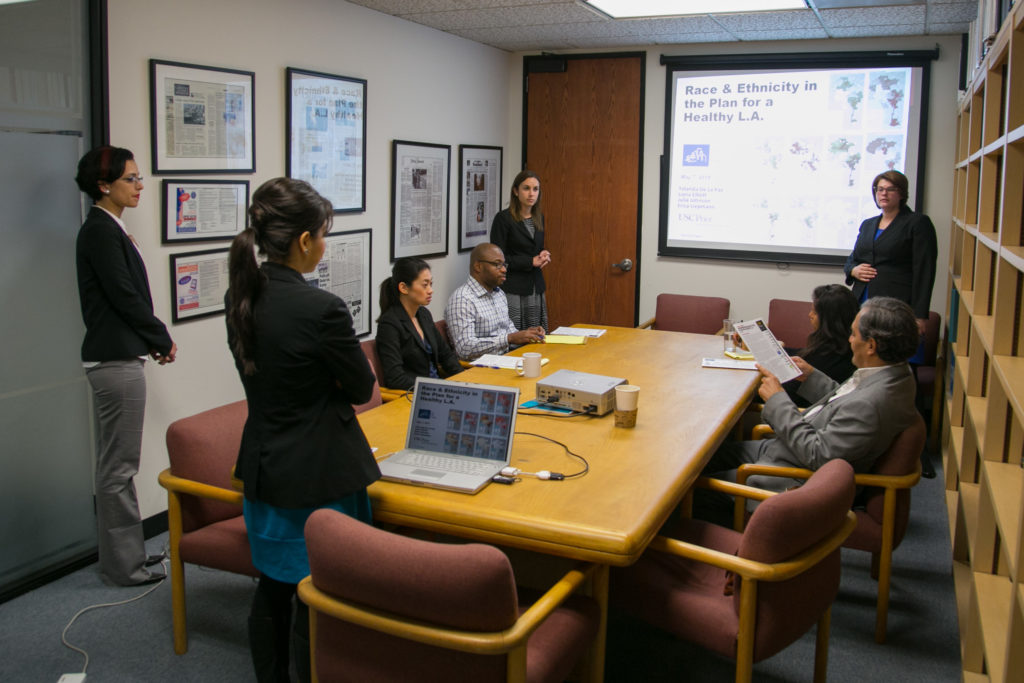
(436, 462)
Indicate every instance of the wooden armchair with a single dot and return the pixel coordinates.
(788, 321)
(390, 607)
(380, 393)
(204, 513)
(883, 506)
(748, 595)
(687, 313)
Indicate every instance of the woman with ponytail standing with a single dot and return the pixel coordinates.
(408, 343)
(302, 369)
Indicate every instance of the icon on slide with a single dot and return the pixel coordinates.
(696, 155)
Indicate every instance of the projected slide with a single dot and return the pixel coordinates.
(777, 163)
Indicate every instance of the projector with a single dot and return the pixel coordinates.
(579, 391)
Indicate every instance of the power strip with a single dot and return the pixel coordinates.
(71, 678)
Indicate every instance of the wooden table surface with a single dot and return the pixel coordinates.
(637, 476)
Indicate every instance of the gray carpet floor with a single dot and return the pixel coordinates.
(133, 642)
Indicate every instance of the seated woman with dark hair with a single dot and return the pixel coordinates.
(408, 343)
(833, 308)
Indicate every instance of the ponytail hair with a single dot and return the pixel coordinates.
(281, 210)
(405, 270)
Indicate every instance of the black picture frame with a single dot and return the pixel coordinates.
(211, 109)
(203, 212)
(354, 287)
(420, 181)
(188, 300)
(479, 192)
(325, 142)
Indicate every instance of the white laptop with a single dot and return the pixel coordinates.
(459, 435)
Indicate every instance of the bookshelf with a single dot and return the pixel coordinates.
(983, 406)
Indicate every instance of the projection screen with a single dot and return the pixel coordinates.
(770, 157)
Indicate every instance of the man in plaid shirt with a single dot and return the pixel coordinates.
(477, 312)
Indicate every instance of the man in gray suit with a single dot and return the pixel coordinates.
(855, 421)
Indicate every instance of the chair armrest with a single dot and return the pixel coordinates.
(645, 324)
(733, 489)
(487, 643)
(885, 481)
(387, 395)
(761, 431)
(194, 488)
(761, 571)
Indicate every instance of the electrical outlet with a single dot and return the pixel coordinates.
(71, 678)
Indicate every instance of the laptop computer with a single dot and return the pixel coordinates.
(459, 435)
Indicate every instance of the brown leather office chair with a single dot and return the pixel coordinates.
(385, 607)
(380, 394)
(204, 513)
(788, 321)
(688, 313)
(882, 509)
(748, 595)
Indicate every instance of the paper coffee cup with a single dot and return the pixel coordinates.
(627, 397)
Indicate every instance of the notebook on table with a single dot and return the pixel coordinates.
(459, 435)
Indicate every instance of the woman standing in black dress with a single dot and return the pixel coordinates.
(519, 233)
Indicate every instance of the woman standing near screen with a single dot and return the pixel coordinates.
(302, 369)
(519, 233)
(895, 251)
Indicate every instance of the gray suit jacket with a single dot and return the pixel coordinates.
(857, 427)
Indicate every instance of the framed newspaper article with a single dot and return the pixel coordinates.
(479, 193)
(344, 271)
(203, 210)
(198, 282)
(201, 118)
(326, 146)
(420, 174)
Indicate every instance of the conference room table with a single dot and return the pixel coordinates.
(636, 477)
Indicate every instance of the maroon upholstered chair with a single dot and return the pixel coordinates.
(380, 394)
(883, 506)
(385, 607)
(687, 313)
(788, 321)
(204, 513)
(748, 595)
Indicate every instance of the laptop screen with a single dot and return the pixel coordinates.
(461, 418)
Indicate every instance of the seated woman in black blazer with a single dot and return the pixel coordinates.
(302, 369)
(408, 343)
(833, 308)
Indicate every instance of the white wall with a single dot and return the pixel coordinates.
(423, 85)
(750, 285)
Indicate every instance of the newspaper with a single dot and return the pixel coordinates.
(767, 350)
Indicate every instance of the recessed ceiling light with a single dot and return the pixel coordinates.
(623, 9)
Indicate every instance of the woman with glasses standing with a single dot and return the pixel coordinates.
(120, 331)
(895, 251)
(519, 233)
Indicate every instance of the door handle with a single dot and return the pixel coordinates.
(625, 264)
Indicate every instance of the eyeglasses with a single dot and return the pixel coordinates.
(886, 190)
(498, 264)
(132, 179)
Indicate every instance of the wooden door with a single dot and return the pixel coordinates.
(583, 139)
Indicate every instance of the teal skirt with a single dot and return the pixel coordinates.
(276, 536)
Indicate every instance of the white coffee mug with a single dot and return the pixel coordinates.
(529, 365)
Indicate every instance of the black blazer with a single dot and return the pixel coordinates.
(403, 357)
(302, 445)
(904, 256)
(113, 290)
(523, 277)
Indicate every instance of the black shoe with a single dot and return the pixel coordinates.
(927, 470)
(154, 559)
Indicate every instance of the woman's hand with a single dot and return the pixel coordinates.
(165, 359)
(542, 259)
(863, 272)
(922, 325)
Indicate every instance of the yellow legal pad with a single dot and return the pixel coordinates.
(564, 339)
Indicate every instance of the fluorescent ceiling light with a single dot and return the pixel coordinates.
(12, 2)
(622, 9)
